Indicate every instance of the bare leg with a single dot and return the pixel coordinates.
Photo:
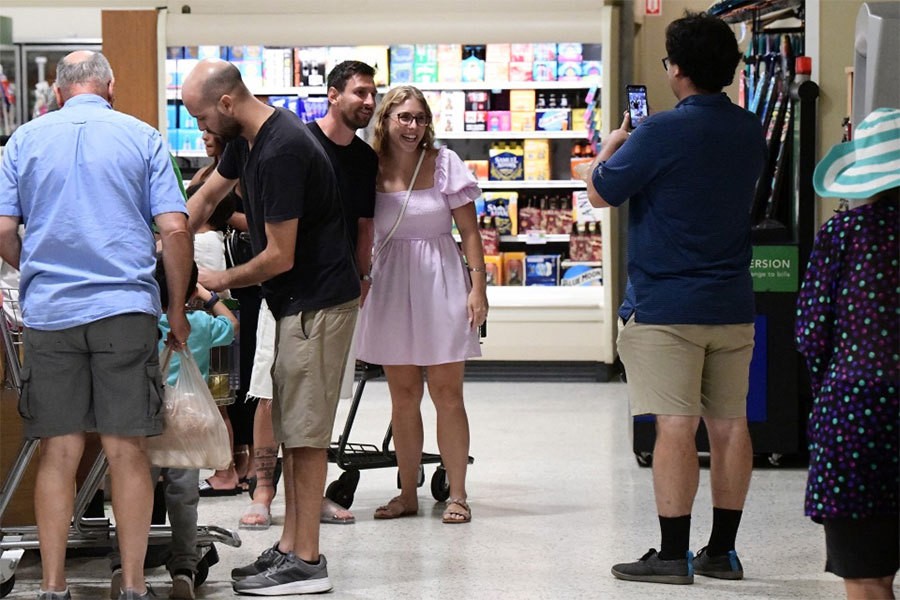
(54, 500)
(731, 461)
(265, 450)
(308, 470)
(132, 500)
(445, 386)
(676, 470)
(406, 387)
(880, 588)
(225, 479)
(288, 532)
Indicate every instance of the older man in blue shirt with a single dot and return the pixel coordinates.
(88, 182)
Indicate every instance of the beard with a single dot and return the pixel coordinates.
(356, 119)
(229, 129)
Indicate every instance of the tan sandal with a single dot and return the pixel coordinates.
(453, 516)
(386, 512)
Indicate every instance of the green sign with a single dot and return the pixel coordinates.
(775, 269)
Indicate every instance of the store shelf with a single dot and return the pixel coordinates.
(511, 135)
(583, 84)
(564, 184)
(544, 296)
(584, 263)
(534, 239)
(190, 153)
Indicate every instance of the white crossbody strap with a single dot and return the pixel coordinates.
(409, 190)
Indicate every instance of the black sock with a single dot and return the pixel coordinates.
(724, 531)
(159, 504)
(676, 537)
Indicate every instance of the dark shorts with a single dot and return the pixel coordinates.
(862, 548)
(102, 376)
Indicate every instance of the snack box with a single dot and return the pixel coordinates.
(499, 120)
(522, 100)
(493, 266)
(503, 207)
(475, 120)
(478, 168)
(542, 269)
(507, 162)
(513, 268)
(521, 71)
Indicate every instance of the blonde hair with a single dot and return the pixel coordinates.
(393, 98)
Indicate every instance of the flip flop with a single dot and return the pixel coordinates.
(329, 514)
(207, 490)
(384, 512)
(256, 509)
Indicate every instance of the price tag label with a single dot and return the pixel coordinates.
(536, 236)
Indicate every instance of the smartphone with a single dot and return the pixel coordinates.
(636, 96)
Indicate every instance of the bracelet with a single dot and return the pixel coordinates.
(213, 298)
(365, 278)
(476, 269)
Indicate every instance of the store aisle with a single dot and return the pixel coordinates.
(557, 498)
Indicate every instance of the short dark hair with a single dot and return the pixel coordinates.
(704, 48)
(342, 72)
(160, 275)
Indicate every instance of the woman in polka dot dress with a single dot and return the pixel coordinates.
(849, 331)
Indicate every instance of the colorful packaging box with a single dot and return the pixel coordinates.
(478, 168)
(544, 52)
(537, 159)
(496, 71)
(449, 52)
(513, 268)
(475, 120)
(591, 68)
(503, 207)
(477, 100)
(452, 113)
(403, 53)
(493, 265)
(425, 53)
(497, 53)
(499, 120)
(521, 71)
(544, 70)
(185, 120)
(449, 71)
(569, 52)
(521, 53)
(521, 100)
(171, 116)
(521, 120)
(507, 162)
(425, 72)
(568, 71)
(472, 69)
(542, 269)
(401, 72)
(552, 119)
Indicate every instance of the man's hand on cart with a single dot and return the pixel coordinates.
(180, 329)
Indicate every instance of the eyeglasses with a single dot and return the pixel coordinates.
(408, 119)
(665, 62)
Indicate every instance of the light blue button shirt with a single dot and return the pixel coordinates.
(87, 181)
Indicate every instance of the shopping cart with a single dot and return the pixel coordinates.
(85, 532)
(353, 458)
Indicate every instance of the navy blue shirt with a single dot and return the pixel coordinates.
(690, 174)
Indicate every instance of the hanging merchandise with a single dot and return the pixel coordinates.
(44, 101)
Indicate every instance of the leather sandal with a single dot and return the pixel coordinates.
(453, 516)
(387, 512)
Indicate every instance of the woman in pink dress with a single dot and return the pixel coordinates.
(421, 318)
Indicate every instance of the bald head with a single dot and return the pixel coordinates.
(84, 72)
(211, 79)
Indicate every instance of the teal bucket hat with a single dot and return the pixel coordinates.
(866, 165)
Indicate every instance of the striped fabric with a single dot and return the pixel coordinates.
(868, 164)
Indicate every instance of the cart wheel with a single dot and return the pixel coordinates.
(440, 485)
(644, 459)
(341, 491)
(7, 586)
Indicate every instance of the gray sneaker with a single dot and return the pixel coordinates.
(290, 576)
(64, 595)
(727, 566)
(651, 569)
(130, 594)
(264, 561)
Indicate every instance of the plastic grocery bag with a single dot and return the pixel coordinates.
(194, 434)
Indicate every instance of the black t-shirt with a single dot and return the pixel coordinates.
(356, 167)
(285, 176)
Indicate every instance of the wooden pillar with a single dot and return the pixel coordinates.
(130, 44)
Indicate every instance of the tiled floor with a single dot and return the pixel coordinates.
(557, 498)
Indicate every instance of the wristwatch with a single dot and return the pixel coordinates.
(365, 278)
(213, 298)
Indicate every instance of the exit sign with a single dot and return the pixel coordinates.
(653, 7)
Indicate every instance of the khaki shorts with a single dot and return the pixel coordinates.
(310, 355)
(102, 376)
(687, 370)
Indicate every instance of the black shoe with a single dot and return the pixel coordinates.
(651, 569)
(266, 560)
(726, 566)
(289, 576)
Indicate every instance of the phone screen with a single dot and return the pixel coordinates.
(637, 103)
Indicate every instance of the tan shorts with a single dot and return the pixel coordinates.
(310, 354)
(687, 370)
